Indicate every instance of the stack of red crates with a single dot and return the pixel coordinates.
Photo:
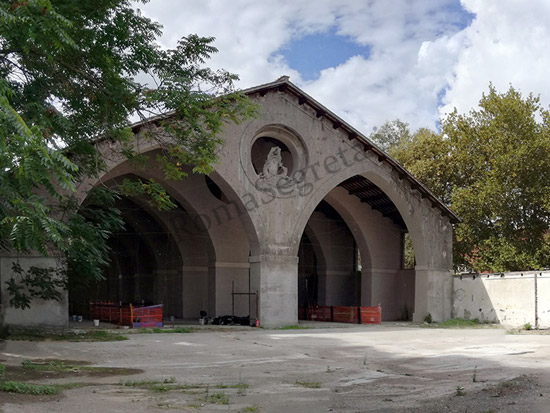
(127, 315)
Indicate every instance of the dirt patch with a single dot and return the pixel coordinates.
(26, 399)
(520, 394)
(51, 369)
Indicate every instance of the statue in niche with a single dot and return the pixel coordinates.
(275, 174)
(273, 166)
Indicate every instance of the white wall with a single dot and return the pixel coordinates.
(511, 299)
(42, 314)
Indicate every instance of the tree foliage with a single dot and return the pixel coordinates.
(68, 78)
(427, 156)
(492, 165)
(390, 133)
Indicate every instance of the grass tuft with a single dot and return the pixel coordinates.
(250, 409)
(35, 335)
(161, 386)
(310, 384)
(241, 386)
(218, 398)
(60, 366)
(458, 323)
(294, 327)
(158, 330)
(28, 388)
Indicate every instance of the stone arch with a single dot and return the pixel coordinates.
(223, 221)
(430, 232)
(198, 226)
(412, 208)
(145, 263)
(207, 212)
(114, 162)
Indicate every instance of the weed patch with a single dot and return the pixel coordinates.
(458, 323)
(34, 335)
(218, 398)
(250, 409)
(240, 386)
(157, 330)
(28, 388)
(162, 386)
(62, 367)
(310, 384)
(294, 327)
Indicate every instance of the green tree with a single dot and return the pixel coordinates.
(68, 78)
(426, 154)
(390, 133)
(492, 166)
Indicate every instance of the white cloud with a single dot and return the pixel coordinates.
(506, 44)
(418, 49)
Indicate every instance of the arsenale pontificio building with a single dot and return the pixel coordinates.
(301, 210)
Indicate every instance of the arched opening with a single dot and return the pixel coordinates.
(212, 231)
(144, 266)
(158, 257)
(366, 254)
(327, 262)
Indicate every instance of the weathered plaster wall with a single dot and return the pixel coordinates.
(42, 314)
(271, 223)
(512, 299)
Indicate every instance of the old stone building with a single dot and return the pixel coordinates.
(301, 208)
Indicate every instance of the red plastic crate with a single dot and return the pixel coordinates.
(147, 316)
(371, 315)
(320, 313)
(341, 314)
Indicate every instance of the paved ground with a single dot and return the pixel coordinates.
(348, 369)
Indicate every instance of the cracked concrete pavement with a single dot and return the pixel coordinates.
(342, 368)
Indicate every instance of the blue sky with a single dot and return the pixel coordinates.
(314, 52)
(371, 61)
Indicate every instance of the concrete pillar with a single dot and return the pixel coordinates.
(433, 294)
(276, 279)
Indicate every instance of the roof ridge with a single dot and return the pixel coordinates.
(283, 83)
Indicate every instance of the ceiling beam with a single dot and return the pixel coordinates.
(362, 189)
(374, 198)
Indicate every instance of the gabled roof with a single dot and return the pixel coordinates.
(359, 186)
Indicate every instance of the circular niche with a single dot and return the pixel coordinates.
(261, 149)
(288, 145)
